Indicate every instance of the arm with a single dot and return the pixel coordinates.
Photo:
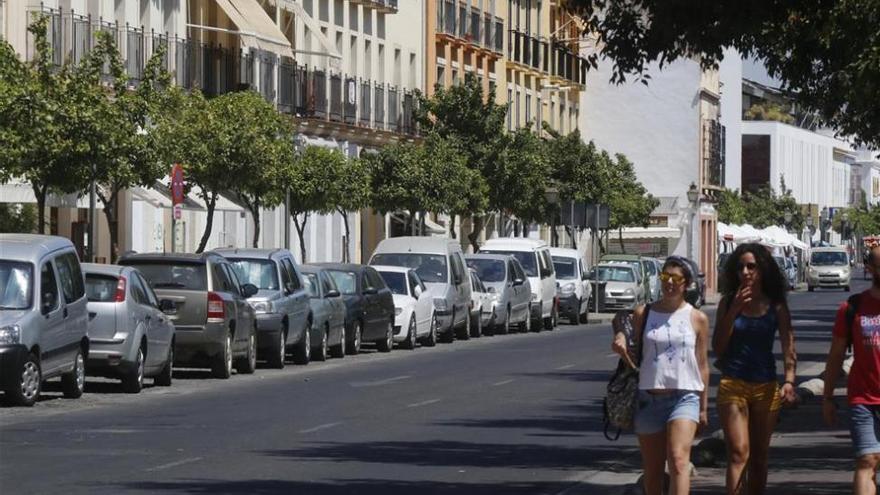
(723, 327)
(832, 370)
(701, 326)
(789, 355)
(619, 345)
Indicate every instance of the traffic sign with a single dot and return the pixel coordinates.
(178, 211)
(177, 184)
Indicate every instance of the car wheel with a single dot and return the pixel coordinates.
(464, 333)
(73, 383)
(27, 392)
(478, 328)
(163, 379)
(575, 317)
(222, 366)
(431, 339)
(302, 354)
(338, 351)
(504, 327)
(550, 323)
(526, 324)
(322, 347)
(354, 347)
(279, 350)
(846, 288)
(410, 341)
(133, 382)
(449, 335)
(248, 364)
(385, 345)
(810, 288)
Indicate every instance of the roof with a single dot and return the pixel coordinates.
(430, 245)
(30, 246)
(514, 243)
(104, 269)
(571, 253)
(487, 256)
(616, 265)
(347, 267)
(250, 252)
(668, 206)
(389, 268)
(168, 257)
(311, 268)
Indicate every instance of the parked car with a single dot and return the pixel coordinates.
(43, 317)
(214, 325)
(414, 318)
(574, 289)
(653, 269)
(789, 272)
(131, 335)
(696, 291)
(440, 265)
(623, 290)
(327, 331)
(481, 304)
(369, 304)
(722, 261)
(281, 303)
(638, 263)
(534, 256)
(509, 290)
(829, 267)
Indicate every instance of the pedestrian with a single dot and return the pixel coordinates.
(858, 324)
(751, 312)
(673, 379)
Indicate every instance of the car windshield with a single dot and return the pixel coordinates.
(431, 268)
(187, 276)
(262, 273)
(828, 258)
(311, 280)
(16, 279)
(527, 259)
(613, 274)
(396, 281)
(345, 281)
(488, 270)
(566, 268)
(101, 288)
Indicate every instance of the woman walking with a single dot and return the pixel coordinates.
(673, 379)
(750, 314)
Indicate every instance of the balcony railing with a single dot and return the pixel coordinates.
(713, 153)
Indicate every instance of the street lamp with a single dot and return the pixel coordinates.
(787, 217)
(693, 196)
(823, 222)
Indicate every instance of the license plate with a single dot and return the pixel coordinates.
(610, 300)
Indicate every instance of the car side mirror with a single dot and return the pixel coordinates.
(518, 281)
(417, 292)
(370, 291)
(490, 289)
(332, 293)
(168, 307)
(852, 262)
(249, 290)
(49, 301)
(702, 275)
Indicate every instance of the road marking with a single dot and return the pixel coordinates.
(424, 403)
(504, 382)
(320, 427)
(805, 322)
(613, 354)
(175, 464)
(567, 366)
(378, 383)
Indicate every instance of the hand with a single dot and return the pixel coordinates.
(704, 420)
(743, 296)
(619, 346)
(787, 394)
(829, 412)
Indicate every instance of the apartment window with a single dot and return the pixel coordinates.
(380, 67)
(528, 16)
(462, 20)
(412, 70)
(368, 22)
(518, 105)
(454, 77)
(539, 18)
(324, 10)
(509, 109)
(368, 60)
(339, 12)
(380, 25)
(309, 6)
(528, 109)
(353, 17)
(339, 42)
(441, 75)
(562, 116)
(552, 111)
(397, 68)
(493, 87)
(354, 55)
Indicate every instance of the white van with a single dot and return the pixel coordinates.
(534, 256)
(574, 284)
(439, 262)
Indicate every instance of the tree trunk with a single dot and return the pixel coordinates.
(255, 214)
(112, 226)
(474, 236)
(300, 230)
(554, 235)
(209, 221)
(572, 234)
(346, 256)
(452, 227)
(40, 194)
(620, 237)
(516, 228)
(422, 223)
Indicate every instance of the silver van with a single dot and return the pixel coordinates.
(439, 262)
(43, 317)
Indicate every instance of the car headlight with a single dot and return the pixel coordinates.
(263, 307)
(440, 304)
(629, 292)
(397, 311)
(10, 334)
(567, 288)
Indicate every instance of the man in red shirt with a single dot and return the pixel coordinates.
(859, 325)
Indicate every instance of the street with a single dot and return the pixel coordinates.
(515, 414)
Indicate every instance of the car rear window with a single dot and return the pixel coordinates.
(177, 275)
(101, 288)
(396, 281)
(488, 270)
(346, 281)
(261, 273)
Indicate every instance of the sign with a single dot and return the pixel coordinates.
(597, 216)
(177, 185)
(178, 211)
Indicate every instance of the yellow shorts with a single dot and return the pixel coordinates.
(753, 396)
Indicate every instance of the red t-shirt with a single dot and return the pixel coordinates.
(863, 385)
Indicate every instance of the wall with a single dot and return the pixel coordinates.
(731, 74)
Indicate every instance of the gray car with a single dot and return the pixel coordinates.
(282, 303)
(214, 324)
(508, 288)
(327, 333)
(43, 317)
(623, 289)
(130, 335)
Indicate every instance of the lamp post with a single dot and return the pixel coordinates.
(551, 195)
(787, 217)
(823, 222)
(693, 196)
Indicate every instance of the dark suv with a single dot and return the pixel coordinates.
(214, 324)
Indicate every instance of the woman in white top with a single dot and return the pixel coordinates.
(673, 379)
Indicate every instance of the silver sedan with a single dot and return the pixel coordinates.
(130, 335)
(508, 289)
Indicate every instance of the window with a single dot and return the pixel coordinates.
(396, 282)
(187, 276)
(458, 267)
(375, 280)
(381, 65)
(368, 22)
(137, 291)
(528, 109)
(397, 67)
(368, 60)
(441, 75)
(311, 283)
(235, 283)
(324, 10)
(101, 288)
(380, 25)
(414, 283)
(354, 55)
(221, 279)
(152, 300)
(431, 268)
(528, 259)
(309, 7)
(517, 106)
(287, 274)
(72, 284)
(48, 289)
(353, 17)
(262, 273)
(327, 283)
(509, 109)
(454, 77)
(566, 268)
(16, 285)
(346, 281)
(338, 12)
(488, 270)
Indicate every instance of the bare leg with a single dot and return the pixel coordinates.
(735, 422)
(761, 424)
(679, 439)
(864, 482)
(653, 449)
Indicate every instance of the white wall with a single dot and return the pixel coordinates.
(731, 74)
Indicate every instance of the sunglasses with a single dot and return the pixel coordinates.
(671, 277)
(748, 266)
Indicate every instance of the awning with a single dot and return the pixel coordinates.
(22, 192)
(223, 203)
(151, 196)
(255, 27)
(646, 233)
(312, 25)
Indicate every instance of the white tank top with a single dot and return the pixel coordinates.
(669, 358)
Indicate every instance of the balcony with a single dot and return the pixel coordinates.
(713, 154)
(382, 6)
(480, 29)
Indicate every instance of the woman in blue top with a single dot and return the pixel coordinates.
(751, 313)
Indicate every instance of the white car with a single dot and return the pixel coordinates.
(414, 315)
(481, 304)
(575, 289)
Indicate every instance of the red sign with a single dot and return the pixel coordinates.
(177, 184)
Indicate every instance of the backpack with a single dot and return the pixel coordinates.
(852, 307)
(621, 393)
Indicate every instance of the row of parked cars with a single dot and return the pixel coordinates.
(225, 309)
(631, 280)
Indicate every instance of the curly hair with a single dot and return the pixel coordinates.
(772, 281)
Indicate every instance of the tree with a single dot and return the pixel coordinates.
(628, 200)
(769, 111)
(312, 179)
(732, 208)
(761, 208)
(352, 193)
(18, 218)
(826, 53)
(519, 178)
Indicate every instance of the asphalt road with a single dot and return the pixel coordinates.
(515, 414)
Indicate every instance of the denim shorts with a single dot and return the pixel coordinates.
(864, 425)
(655, 410)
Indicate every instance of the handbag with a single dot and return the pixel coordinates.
(621, 393)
